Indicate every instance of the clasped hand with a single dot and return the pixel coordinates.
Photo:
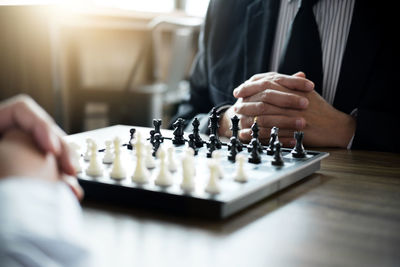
(290, 103)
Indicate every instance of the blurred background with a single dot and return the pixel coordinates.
(94, 63)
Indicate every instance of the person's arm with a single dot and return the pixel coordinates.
(40, 218)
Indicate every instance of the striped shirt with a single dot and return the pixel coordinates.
(333, 18)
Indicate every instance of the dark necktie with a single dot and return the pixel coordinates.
(302, 51)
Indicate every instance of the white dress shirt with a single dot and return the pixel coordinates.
(40, 224)
(333, 18)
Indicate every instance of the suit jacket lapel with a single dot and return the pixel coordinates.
(261, 19)
(361, 48)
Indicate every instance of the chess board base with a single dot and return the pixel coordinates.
(264, 179)
(185, 204)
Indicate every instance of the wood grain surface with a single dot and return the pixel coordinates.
(346, 214)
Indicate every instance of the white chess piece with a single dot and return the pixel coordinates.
(216, 156)
(89, 143)
(141, 174)
(150, 162)
(108, 156)
(213, 186)
(164, 177)
(188, 182)
(94, 169)
(75, 156)
(240, 174)
(118, 171)
(188, 151)
(172, 166)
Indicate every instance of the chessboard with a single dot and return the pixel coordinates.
(179, 177)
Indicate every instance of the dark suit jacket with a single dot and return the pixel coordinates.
(236, 43)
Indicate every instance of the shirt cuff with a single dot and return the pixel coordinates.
(354, 115)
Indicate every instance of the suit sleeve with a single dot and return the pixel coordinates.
(378, 111)
(199, 100)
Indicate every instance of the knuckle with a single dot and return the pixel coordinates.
(254, 77)
(238, 107)
(278, 78)
(266, 95)
(266, 83)
(262, 108)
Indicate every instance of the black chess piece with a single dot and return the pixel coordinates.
(233, 149)
(211, 145)
(254, 140)
(156, 143)
(157, 125)
(196, 133)
(254, 135)
(298, 150)
(255, 154)
(278, 159)
(152, 136)
(192, 144)
(178, 132)
(132, 132)
(214, 125)
(235, 132)
(273, 139)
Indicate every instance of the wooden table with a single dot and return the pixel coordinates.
(346, 214)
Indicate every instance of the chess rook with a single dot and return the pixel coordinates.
(298, 150)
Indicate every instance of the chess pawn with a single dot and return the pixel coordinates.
(131, 140)
(75, 156)
(149, 160)
(278, 159)
(192, 144)
(108, 156)
(233, 149)
(86, 156)
(255, 154)
(164, 177)
(216, 156)
(118, 171)
(141, 174)
(94, 169)
(188, 183)
(240, 174)
(298, 150)
(172, 166)
(211, 145)
(156, 143)
(190, 153)
(213, 186)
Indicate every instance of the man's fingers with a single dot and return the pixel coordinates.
(295, 82)
(64, 159)
(46, 139)
(285, 137)
(279, 99)
(251, 88)
(280, 121)
(261, 108)
(74, 186)
(275, 81)
(23, 113)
